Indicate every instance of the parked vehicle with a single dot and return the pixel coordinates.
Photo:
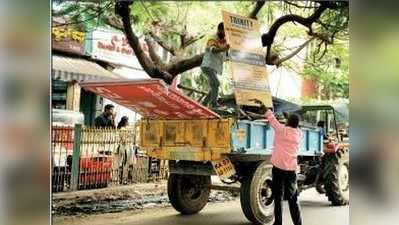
(330, 172)
(235, 149)
(94, 170)
(63, 122)
(239, 151)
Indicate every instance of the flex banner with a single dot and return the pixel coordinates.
(247, 60)
(151, 98)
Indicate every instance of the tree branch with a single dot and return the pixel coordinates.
(256, 9)
(299, 6)
(153, 55)
(184, 65)
(192, 40)
(268, 38)
(321, 37)
(113, 21)
(162, 43)
(296, 51)
(324, 52)
(122, 8)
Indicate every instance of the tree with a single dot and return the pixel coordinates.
(165, 25)
(330, 72)
(166, 72)
(325, 31)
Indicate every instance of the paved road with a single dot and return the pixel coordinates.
(315, 209)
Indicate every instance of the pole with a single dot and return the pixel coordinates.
(76, 158)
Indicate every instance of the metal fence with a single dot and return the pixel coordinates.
(86, 158)
(61, 155)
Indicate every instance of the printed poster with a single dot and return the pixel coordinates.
(247, 60)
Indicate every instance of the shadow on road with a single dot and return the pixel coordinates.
(205, 218)
(314, 203)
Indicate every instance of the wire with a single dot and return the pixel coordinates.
(279, 81)
(91, 18)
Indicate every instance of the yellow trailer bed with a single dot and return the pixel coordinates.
(193, 140)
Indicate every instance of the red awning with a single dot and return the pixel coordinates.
(151, 98)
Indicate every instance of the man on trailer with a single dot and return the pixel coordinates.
(212, 64)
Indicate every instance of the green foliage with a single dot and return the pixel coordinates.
(202, 17)
(331, 71)
(83, 16)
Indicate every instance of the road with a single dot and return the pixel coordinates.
(315, 211)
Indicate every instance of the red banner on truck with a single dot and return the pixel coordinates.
(151, 98)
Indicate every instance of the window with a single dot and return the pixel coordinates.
(59, 94)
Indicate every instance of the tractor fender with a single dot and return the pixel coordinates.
(333, 147)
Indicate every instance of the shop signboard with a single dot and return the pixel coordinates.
(112, 46)
(66, 39)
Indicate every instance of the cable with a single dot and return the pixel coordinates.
(91, 18)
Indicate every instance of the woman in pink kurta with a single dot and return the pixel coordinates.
(287, 140)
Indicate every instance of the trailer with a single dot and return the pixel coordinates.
(200, 143)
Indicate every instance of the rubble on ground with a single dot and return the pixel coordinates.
(120, 201)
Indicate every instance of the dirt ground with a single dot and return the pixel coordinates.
(315, 208)
(119, 199)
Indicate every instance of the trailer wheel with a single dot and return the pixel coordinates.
(256, 194)
(336, 177)
(188, 194)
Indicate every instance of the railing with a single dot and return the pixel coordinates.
(86, 158)
(61, 154)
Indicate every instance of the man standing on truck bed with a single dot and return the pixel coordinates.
(287, 140)
(212, 64)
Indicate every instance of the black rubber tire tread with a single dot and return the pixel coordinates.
(172, 179)
(246, 190)
(176, 198)
(332, 164)
(245, 193)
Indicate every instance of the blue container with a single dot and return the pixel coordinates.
(253, 137)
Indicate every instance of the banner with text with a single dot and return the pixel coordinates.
(151, 98)
(247, 60)
(112, 46)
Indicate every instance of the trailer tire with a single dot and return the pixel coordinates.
(188, 194)
(336, 177)
(257, 204)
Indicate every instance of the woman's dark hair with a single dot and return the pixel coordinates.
(123, 122)
(293, 120)
(221, 26)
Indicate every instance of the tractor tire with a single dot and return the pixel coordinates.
(336, 177)
(256, 194)
(188, 194)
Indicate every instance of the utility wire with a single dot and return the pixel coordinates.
(91, 18)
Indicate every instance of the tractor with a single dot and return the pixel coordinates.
(234, 143)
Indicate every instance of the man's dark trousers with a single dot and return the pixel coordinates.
(211, 98)
(285, 185)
